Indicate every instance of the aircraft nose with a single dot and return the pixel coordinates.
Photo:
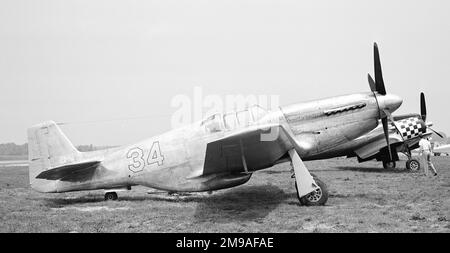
(390, 102)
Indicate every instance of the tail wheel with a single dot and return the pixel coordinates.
(316, 198)
(413, 165)
(389, 165)
(111, 196)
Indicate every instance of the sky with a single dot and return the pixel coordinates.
(111, 69)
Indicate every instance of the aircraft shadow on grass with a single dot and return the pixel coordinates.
(371, 169)
(90, 198)
(240, 204)
(237, 204)
(61, 202)
(270, 172)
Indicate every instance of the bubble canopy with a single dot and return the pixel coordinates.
(232, 120)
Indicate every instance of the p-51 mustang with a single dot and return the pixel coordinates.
(219, 152)
(405, 132)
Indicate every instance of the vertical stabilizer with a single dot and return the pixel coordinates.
(48, 147)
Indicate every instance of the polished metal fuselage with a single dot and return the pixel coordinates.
(318, 130)
(375, 135)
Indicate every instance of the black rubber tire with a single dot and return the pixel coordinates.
(389, 165)
(310, 200)
(111, 196)
(413, 165)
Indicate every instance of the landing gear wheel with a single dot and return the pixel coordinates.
(316, 198)
(111, 196)
(389, 165)
(413, 165)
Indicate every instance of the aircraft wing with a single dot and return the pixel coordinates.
(247, 150)
(70, 172)
(375, 146)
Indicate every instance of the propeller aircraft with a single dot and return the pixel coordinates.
(404, 134)
(221, 151)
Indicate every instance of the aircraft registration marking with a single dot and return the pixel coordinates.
(138, 162)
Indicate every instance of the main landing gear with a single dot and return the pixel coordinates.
(413, 164)
(316, 198)
(311, 191)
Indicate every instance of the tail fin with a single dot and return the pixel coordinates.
(48, 148)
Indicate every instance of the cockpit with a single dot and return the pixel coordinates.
(233, 120)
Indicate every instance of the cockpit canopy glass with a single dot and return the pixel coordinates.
(233, 120)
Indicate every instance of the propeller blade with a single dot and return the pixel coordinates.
(386, 135)
(440, 135)
(372, 85)
(423, 112)
(391, 119)
(378, 74)
(423, 106)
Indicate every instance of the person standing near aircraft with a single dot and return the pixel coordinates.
(425, 152)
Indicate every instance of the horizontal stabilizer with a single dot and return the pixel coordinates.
(70, 172)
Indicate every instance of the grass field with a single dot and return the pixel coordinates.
(363, 198)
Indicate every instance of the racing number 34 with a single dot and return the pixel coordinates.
(137, 157)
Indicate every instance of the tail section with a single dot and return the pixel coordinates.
(48, 148)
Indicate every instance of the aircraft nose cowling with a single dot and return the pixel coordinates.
(389, 102)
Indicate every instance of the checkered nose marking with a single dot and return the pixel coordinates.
(411, 127)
